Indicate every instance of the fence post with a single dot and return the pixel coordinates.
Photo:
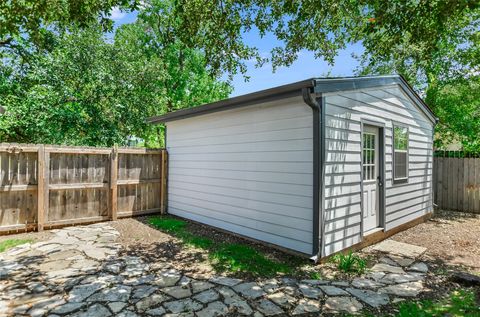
(113, 183)
(43, 164)
(163, 182)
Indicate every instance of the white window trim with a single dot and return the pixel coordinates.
(400, 180)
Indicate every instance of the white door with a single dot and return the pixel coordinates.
(370, 162)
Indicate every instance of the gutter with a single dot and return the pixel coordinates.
(318, 169)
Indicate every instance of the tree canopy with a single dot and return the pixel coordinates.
(33, 17)
(87, 89)
(435, 44)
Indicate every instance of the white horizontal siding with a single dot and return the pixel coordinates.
(344, 112)
(247, 170)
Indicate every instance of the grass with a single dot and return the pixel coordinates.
(225, 257)
(350, 263)
(169, 225)
(242, 258)
(460, 303)
(10, 243)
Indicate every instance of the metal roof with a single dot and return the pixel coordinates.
(317, 85)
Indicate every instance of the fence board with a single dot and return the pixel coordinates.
(457, 182)
(48, 186)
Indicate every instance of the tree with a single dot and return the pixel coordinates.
(88, 91)
(32, 18)
(435, 44)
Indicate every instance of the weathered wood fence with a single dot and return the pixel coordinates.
(44, 186)
(456, 180)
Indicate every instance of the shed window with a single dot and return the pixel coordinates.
(400, 153)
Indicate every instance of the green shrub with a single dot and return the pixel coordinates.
(349, 263)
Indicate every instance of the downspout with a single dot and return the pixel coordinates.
(318, 163)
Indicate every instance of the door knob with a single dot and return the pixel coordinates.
(379, 181)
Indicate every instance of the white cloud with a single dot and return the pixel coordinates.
(117, 14)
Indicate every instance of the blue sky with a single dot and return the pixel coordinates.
(305, 67)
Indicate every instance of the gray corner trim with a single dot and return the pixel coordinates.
(321, 163)
(316, 106)
(267, 95)
(165, 137)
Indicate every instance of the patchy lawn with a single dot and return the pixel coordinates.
(203, 250)
(224, 257)
(10, 243)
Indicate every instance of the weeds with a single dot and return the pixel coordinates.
(316, 276)
(350, 263)
(8, 244)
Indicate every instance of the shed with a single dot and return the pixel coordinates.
(316, 166)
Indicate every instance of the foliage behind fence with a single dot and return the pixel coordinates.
(46, 186)
(457, 181)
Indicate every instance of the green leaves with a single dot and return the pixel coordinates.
(32, 17)
(88, 90)
(457, 103)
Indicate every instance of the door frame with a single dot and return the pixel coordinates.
(381, 172)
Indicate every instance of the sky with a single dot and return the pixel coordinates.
(305, 67)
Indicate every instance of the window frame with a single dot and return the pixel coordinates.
(400, 180)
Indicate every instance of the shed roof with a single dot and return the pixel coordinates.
(317, 85)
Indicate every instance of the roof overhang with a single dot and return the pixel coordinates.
(318, 85)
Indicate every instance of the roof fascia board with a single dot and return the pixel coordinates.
(263, 96)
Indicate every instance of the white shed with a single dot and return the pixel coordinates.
(316, 166)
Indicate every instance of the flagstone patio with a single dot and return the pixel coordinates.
(80, 272)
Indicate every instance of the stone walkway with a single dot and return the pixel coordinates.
(79, 273)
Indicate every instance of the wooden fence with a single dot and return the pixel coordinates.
(43, 186)
(456, 180)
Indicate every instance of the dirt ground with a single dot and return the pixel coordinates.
(140, 239)
(450, 237)
(35, 236)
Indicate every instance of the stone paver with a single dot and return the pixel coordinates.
(419, 267)
(411, 289)
(307, 306)
(399, 248)
(80, 272)
(372, 298)
(342, 304)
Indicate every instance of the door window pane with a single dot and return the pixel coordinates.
(368, 160)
